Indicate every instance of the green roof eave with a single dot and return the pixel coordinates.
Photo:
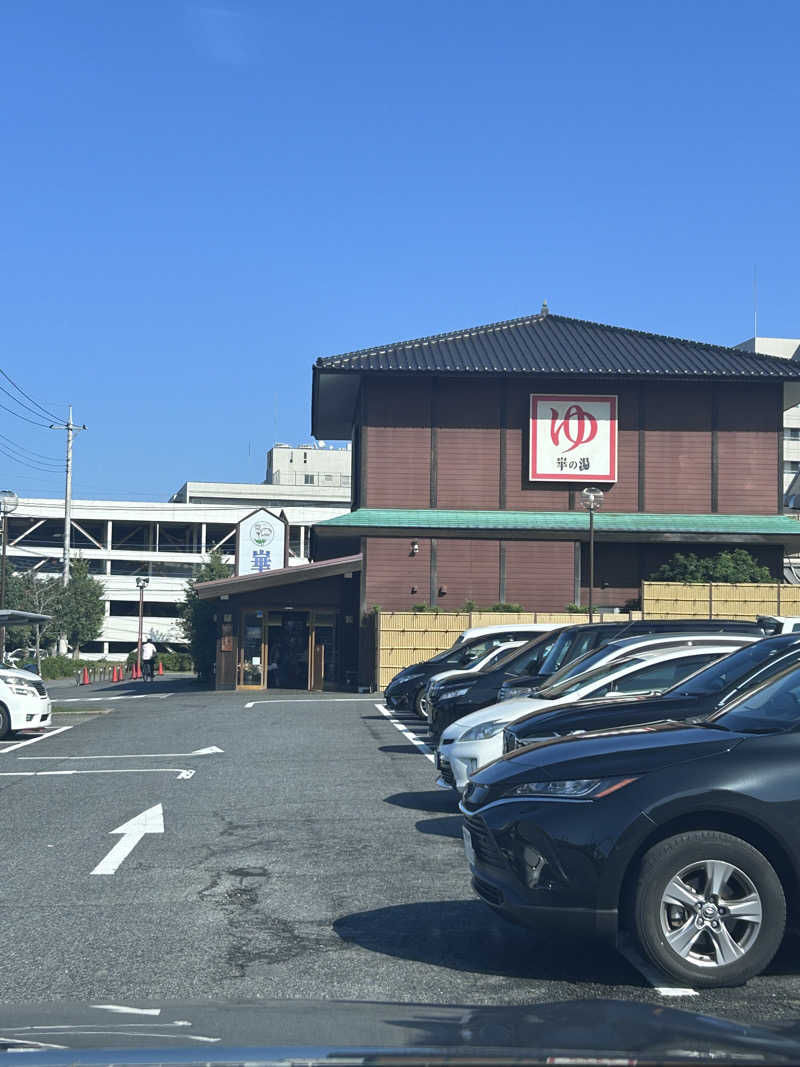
(563, 525)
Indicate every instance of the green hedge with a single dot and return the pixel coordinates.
(66, 666)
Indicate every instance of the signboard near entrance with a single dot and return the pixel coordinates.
(262, 543)
(573, 438)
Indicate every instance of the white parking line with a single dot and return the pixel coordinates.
(304, 700)
(121, 696)
(33, 740)
(424, 749)
(652, 974)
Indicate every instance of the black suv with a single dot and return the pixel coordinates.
(527, 668)
(705, 693)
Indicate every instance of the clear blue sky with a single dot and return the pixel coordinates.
(198, 199)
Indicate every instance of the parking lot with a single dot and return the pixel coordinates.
(193, 844)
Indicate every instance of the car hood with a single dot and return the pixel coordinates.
(505, 711)
(537, 709)
(13, 672)
(606, 714)
(629, 750)
(337, 1032)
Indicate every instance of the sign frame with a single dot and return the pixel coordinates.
(280, 518)
(585, 477)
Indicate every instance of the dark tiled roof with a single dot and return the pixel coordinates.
(554, 344)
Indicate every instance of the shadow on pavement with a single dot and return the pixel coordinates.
(164, 683)
(447, 826)
(464, 935)
(402, 749)
(433, 800)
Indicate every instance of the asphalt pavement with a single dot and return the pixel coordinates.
(297, 847)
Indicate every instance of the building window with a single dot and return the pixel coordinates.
(791, 433)
(791, 466)
(308, 479)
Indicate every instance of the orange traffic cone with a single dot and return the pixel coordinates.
(137, 671)
(115, 675)
(85, 677)
(160, 667)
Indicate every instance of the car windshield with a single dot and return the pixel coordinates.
(579, 681)
(773, 707)
(528, 660)
(734, 668)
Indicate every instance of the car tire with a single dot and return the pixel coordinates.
(419, 698)
(686, 876)
(5, 721)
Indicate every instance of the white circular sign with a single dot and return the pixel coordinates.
(262, 534)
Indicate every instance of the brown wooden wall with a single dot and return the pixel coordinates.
(538, 574)
(463, 443)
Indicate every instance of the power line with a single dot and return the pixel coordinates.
(44, 425)
(19, 389)
(24, 448)
(24, 462)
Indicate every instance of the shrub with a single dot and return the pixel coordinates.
(419, 608)
(502, 606)
(736, 566)
(576, 609)
(469, 605)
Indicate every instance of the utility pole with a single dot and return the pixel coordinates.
(71, 429)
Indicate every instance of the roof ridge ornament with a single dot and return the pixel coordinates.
(545, 309)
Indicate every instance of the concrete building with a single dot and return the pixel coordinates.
(308, 483)
(784, 348)
(168, 542)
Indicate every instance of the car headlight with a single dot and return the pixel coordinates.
(454, 694)
(19, 686)
(574, 787)
(483, 730)
(515, 691)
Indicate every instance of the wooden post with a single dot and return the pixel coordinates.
(711, 600)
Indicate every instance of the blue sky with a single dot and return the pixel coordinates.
(198, 199)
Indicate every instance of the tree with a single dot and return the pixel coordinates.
(81, 613)
(736, 566)
(38, 594)
(197, 616)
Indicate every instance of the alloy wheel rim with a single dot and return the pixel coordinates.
(711, 913)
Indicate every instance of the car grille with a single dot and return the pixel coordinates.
(488, 892)
(510, 742)
(446, 772)
(40, 689)
(483, 843)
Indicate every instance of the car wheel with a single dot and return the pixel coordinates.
(709, 908)
(5, 721)
(420, 702)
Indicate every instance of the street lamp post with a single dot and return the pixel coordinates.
(141, 583)
(592, 500)
(9, 501)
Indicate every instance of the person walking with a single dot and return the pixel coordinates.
(148, 659)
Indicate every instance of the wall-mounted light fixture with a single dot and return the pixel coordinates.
(414, 548)
(414, 590)
(442, 590)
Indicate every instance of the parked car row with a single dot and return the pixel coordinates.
(633, 783)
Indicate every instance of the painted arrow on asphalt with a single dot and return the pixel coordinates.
(212, 750)
(132, 831)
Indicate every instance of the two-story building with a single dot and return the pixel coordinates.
(470, 450)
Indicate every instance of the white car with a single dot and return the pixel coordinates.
(779, 624)
(477, 739)
(24, 703)
(486, 660)
(526, 630)
(622, 648)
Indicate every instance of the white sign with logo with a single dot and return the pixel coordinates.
(573, 438)
(260, 543)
